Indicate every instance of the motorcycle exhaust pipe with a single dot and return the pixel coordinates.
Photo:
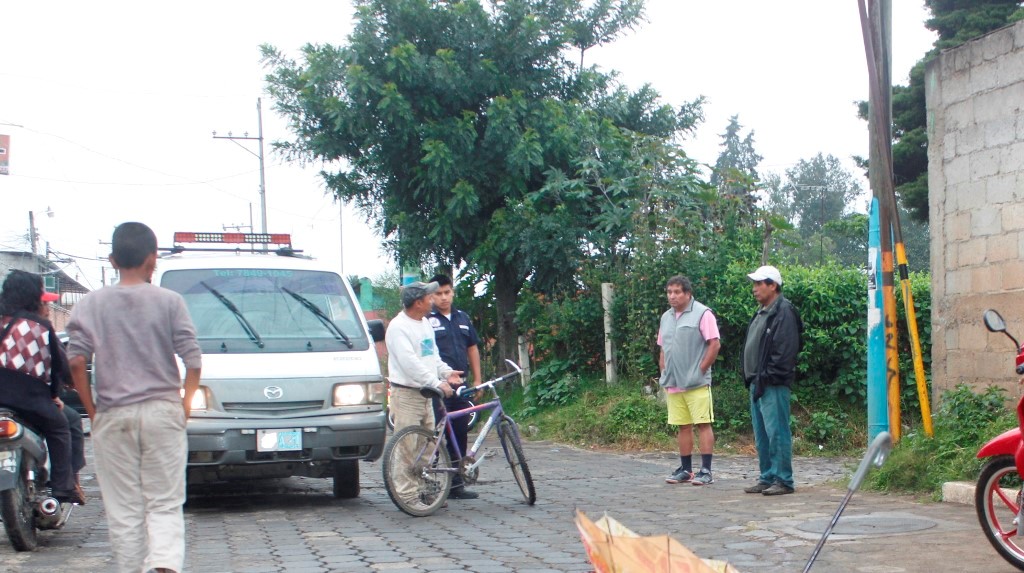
(49, 506)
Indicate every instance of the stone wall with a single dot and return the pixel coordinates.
(975, 96)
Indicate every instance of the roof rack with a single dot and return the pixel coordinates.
(283, 240)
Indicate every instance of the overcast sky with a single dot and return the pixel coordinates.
(110, 108)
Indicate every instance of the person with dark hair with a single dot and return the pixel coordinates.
(134, 329)
(457, 342)
(689, 341)
(774, 339)
(32, 370)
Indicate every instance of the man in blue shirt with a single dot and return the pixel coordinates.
(456, 341)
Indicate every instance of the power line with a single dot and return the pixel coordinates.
(114, 183)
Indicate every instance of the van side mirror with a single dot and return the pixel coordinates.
(376, 329)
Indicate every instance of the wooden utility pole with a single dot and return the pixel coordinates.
(876, 26)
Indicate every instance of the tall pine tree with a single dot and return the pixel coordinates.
(735, 174)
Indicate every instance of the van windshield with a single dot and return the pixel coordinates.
(269, 310)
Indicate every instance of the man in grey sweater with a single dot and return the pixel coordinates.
(134, 329)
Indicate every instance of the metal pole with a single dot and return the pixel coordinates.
(821, 230)
(341, 237)
(263, 184)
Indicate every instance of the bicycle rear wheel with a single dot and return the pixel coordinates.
(508, 433)
(417, 472)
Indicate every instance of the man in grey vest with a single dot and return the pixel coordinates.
(689, 342)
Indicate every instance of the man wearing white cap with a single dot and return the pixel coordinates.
(774, 339)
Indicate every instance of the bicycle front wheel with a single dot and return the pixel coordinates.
(508, 433)
(417, 471)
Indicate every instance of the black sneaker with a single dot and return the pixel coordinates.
(758, 487)
(462, 493)
(778, 489)
(680, 476)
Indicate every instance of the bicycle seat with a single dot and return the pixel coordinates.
(431, 392)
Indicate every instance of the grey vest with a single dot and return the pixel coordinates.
(684, 347)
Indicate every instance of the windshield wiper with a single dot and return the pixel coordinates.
(249, 330)
(324, 319)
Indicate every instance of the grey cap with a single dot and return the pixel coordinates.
(415, 291)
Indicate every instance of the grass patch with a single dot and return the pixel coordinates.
(964, 422)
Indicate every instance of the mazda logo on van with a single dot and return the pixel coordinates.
(273, 392)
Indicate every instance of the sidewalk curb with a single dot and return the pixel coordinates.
(958, 492)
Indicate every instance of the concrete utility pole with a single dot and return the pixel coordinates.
(32, 239)
(245, 135)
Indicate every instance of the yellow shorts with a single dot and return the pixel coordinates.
(690, 407)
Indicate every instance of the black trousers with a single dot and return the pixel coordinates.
(36, 408)
(461, 428)
(77, 438)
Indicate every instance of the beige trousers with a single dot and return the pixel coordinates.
(411, 409)
(141, 451)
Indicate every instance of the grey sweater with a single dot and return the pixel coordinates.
(132, 333)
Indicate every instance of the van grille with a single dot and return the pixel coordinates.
(273, 408)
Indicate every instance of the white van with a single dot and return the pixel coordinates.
(291, 383)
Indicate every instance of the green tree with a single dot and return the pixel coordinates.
(467, 135)
(735, 172)
(821, 190)
(956, 21)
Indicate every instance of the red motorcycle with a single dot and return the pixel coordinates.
(998, 495)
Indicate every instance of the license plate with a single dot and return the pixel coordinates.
(289, 440)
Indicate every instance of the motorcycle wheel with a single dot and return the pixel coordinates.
(997, 498)
(17, 514)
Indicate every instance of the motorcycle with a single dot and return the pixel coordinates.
(998, 496)
(25, 503)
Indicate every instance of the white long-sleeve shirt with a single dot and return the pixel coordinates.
(413, 359)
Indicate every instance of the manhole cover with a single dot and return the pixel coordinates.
(868, 525)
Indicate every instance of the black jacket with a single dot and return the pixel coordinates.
(782, 341)
(16, 385)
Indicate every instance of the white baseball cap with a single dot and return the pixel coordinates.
(766, 272)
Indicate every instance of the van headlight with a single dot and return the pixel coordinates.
(376, 392)
(349, 394)
(198, 399)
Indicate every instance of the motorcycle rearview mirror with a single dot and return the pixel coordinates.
(994, 323)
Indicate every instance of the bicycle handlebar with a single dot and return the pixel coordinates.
(463, 391)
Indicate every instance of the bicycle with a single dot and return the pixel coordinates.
(421, 456)
(390, 419)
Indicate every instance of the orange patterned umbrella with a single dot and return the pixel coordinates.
(613, 548)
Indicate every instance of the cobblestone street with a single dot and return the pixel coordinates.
(295, 525)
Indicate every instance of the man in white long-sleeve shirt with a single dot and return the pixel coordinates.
(414, 363)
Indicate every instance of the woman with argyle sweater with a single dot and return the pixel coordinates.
(32, 369)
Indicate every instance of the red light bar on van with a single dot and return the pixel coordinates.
(234, 238)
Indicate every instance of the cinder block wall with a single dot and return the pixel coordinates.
(975, 98)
